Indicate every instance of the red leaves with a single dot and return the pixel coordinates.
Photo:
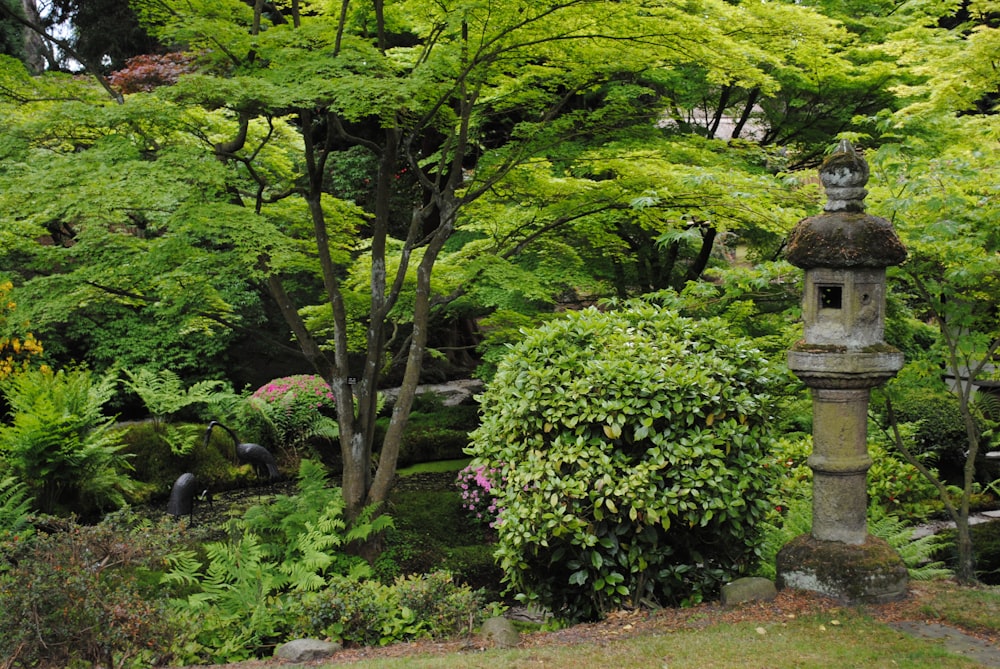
(148, 71)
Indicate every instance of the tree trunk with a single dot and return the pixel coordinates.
(37, 52)
(700, 262)
(747, 110)
(720, 111)
(966, 568)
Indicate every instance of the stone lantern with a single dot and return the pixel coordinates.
(842, 356)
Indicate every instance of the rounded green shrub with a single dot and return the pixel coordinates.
(631, 447)
(367, 613)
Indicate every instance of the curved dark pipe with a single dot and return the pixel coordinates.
(182, 496)
(253, 454)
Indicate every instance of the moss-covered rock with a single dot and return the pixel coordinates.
(869, 572)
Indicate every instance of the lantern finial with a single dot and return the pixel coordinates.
(844, 175)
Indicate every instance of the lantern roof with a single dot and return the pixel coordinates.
(844, 236)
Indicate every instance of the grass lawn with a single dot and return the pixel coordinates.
(798, 630)
(856, 641)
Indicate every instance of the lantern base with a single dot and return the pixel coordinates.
(871, 572)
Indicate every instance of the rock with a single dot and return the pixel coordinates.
(303, 650)
(452, 393)
(870, 573)
(752, 589)
(498, 632)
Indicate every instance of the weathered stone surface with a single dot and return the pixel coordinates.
(843, 235)
(498, 632)
(453, 393)
(844, 239)
(868, 573)
(751, 589)
(303, 650)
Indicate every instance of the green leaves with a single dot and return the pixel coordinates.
(59, 443)
(627, 441)
(241, 596)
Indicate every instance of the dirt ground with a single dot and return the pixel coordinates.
(789, 604)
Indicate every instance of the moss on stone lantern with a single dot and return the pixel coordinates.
(844, 253)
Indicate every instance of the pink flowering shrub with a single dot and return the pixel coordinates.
(476, 485)
(291, 410)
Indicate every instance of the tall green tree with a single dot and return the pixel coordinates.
(299, 113)
(936, 175)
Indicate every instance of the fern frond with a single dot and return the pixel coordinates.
(15, 505)
(184, 568)
(916, 553)
(369, 522)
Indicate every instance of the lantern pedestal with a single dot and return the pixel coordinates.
(871, 572)
(841, 357)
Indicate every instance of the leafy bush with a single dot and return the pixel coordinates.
(897, 486)
(368, 612)
(290, 411)
(75, 593)
(61, 445)
(893, 484)
(940, 429)
(631, 446)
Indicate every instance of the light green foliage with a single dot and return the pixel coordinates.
(499, 331)
(242, 598)
(624, 216)
(163, 394)
(565, 118)
(151, 277)
(305, 533)
(894, 485)
(793, 475)
(938, 181)
(61, 445)
(761, 301)
(631, 447)
(370, 613)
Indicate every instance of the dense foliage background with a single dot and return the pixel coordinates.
(213, 210)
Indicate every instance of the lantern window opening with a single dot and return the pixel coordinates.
(831, 297)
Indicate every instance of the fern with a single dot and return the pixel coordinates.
(294, 544)
(163, 395)
(15, 507)
(289, 411)
(60, 444)
(184, 569)
(916, 553)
